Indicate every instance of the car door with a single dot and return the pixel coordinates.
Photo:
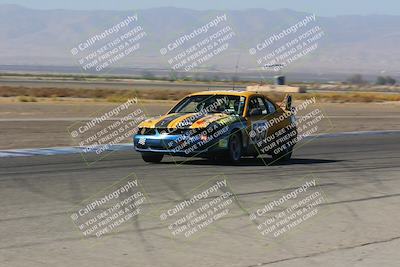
(276, 116)
(273, 116)
(257, 115)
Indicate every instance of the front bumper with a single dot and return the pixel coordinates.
(178, 145)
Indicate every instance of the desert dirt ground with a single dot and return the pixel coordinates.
(45, 123)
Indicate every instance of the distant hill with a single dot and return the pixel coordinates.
(364, 44)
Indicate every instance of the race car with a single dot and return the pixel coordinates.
(219, 125)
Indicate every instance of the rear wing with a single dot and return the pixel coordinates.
(286, 103)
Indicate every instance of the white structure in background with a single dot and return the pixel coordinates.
(280, 86)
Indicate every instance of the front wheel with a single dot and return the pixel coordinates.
(152, 158)
(235, 148)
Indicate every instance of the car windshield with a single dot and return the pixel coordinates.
(229, 104)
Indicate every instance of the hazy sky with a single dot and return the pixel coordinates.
(320, 7)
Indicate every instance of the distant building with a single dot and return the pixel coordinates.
(279, 86)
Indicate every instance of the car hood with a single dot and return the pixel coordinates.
(188, 120)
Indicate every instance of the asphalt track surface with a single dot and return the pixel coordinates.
(356, 226)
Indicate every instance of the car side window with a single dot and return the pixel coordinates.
(253, 104)
(271, 107)
(257, 104)
(262, 106)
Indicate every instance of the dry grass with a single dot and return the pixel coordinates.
(26, 99)
(25, 94)
(339, 97)
(351, 97)
(111, 95)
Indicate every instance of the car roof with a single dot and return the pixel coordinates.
(226, 92)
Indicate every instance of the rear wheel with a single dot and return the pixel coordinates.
(235, 148)
(151, 157)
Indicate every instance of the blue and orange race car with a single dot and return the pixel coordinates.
(220, 125)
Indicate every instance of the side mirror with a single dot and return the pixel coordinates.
(255, 112)
(289, 102)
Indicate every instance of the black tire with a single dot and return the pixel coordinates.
(152, 158)
(214, 158)
(285, 155)
(235, 148)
